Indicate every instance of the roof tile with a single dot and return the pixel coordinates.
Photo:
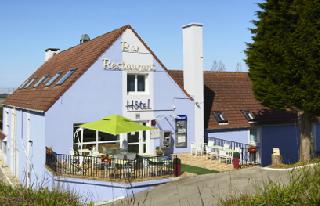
(81, 57)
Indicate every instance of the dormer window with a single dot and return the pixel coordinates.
(249, 116)
(220, 118)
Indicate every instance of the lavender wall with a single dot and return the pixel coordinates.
(95, 94)
(101, 191)
(36, 153)
(237, 135)
(171, 101)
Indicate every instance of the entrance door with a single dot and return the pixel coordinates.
(255, 140)
(137, 142)
(28, 151)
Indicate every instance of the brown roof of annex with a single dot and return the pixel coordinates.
(80, 57)
(231, 93)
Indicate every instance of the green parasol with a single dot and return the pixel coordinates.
(115, 124)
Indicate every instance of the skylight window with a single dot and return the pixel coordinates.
(23, 84)
(220, 118)
(54, 78)
(66, 76)
(29, 83)
(41, 80)
(249, 116)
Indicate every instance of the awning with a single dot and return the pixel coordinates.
(166, 123)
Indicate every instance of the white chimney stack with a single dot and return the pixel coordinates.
(50, 52)
(193, 73)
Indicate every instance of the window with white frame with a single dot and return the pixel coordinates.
(137, 142)
(136, 82)
(86, 141)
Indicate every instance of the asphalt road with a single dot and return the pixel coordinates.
(206, 189)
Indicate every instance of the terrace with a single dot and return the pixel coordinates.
(102, 158)
(119, 167)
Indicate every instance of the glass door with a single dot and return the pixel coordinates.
(137, 142)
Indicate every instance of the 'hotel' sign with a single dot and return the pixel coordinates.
(138, 105)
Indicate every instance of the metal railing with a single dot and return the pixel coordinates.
(122, 169)
(246, 157)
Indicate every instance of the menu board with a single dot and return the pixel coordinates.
(181, 131)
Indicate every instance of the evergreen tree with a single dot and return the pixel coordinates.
(284, 61)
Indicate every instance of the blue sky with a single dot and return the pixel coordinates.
(29, 27)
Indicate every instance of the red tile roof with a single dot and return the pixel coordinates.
(81, 57)
(230, 93)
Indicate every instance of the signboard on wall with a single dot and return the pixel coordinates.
(181, 131)
(129, 67)
(135, 105)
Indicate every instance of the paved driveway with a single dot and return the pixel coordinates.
(206, 189)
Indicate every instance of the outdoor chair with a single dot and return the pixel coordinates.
(225, 155)
(131, 156)
(197, 149)
(213, 150)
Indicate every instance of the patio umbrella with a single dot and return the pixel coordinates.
(115, 124)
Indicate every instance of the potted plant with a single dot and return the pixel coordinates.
(159, 151)
(236, 160)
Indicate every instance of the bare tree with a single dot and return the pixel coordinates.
(238, 67)
(218, 66)
(214, 66)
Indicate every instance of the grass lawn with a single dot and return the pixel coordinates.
(196, 170)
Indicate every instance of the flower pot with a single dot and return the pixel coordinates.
(252, 149)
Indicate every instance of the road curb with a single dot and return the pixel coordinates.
(289, 169)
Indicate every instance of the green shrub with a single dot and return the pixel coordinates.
(26, 196)
(303, 189)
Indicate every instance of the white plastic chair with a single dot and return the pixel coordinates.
(225, 155)
(193, 149)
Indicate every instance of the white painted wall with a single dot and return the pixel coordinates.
(137, 54)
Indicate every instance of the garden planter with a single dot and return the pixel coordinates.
(236, 163)
(252, 149)
(177, 167)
